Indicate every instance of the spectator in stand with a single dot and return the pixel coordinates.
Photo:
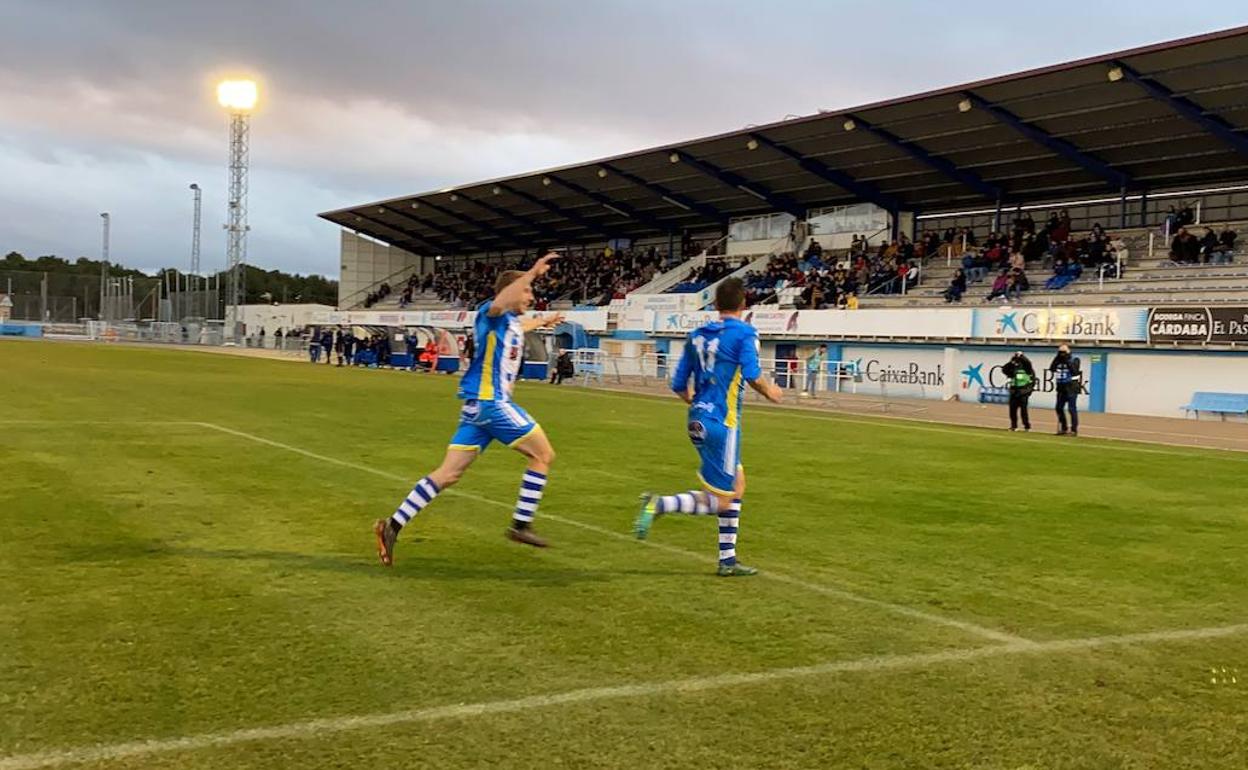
(1186, 216)
(1022, 382)
(1208, 245)
(851, 301)
(957, 287)
(1065, 272)
(1185, 248)
(1000, 284)
(1225, 251)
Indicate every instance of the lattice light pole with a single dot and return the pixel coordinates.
(239, 98)
(194, 285)
(104, 218)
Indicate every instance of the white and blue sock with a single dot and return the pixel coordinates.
(696, 503)
(421, 495)
(728, 534)
(531, 487)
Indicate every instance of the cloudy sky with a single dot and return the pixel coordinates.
(108, 105)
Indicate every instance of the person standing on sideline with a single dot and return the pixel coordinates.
(718, 361)
(327, 344)
(1068, 376)
(488, 414)
(1022, 377)
(814, 369)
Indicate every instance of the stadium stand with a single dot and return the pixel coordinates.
(1149, 144)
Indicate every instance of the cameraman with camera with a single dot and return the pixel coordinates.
(1022, 378)
(1068, 376)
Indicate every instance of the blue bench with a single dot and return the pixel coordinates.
(989, 395)
(1218, 403)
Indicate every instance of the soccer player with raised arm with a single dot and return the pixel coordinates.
(488, 414)
(718, 361)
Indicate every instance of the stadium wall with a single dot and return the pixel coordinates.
(365, 263)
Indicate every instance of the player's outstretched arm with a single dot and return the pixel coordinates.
(542, 322)
(768, 390)
(513, 292)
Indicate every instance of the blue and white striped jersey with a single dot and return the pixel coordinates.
(496, 360)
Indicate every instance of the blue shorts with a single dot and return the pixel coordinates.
(720, 449)
(481, 422)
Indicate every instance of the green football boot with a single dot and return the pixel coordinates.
(646, 517)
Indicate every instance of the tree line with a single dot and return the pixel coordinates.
(261, 285)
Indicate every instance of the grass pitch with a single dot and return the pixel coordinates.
(931, 597)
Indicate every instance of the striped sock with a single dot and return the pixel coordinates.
(530, 495)
(728, 534)
(421, 495)
(698, 503)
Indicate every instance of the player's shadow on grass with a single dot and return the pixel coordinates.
(421, 568)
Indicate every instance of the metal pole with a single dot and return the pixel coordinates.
(43, 298)
(1122, 209)
(996, 217)
(1144, 210)
(103, 263)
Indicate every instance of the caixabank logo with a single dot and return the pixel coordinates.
(981, 375)
(899, 372)
(1071, 323)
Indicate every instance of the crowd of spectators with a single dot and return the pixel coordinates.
(1213, 248)
(591, 278)
(713, 270)
(1008, 256)
(827, 281)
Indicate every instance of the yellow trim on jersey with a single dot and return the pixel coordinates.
(464, 447)
(716, 490)
(486, 389)
(733, 397)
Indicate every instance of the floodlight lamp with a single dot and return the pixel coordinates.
(381, 209)
(545, 181)
(602, 173)
(497, 190)
(454, 197)
(415, 205)
(752, 144)
(237, 95)
(964, 105)
(194, 186)
(849, 125)
(674, 157)
(1115, 74)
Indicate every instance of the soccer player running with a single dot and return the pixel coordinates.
(488, 413)
(718, 360)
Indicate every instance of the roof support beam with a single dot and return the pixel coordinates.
(670, 197)
(588, 224)
(863, 190)
(733, 179)
(505, 238)
(433, 246)
(935, 162)
(1188, 109)
(1112, 176)
(622, 209)
(514, 218)
(467, 240)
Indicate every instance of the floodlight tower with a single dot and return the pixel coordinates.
(238, 97)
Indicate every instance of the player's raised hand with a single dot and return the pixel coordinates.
(542, 265)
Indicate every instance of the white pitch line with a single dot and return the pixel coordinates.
(900, 609)
(319, 728)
